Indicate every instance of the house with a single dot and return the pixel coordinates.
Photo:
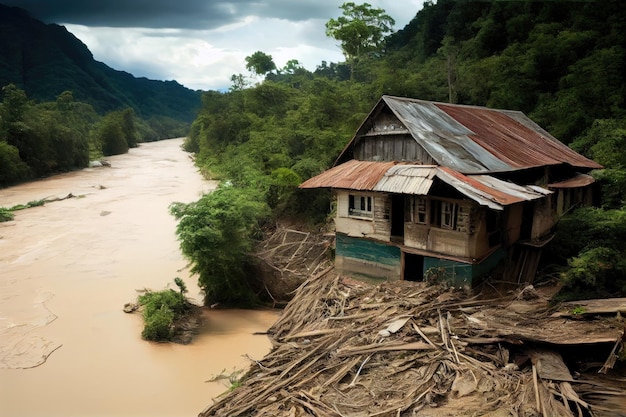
(432, 188)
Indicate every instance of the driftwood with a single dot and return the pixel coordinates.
(342, 348)
(288, 257)
(593, 307)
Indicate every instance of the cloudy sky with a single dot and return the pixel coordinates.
(201, 43)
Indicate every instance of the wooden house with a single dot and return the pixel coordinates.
(432, 188)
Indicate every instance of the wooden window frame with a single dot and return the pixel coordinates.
(365, 204)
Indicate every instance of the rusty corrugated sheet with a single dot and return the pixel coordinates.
(352, 175)
(444, 138)
(524, 192)
(475, 140)
(580, 180)
(417, 180)
(491, 191)
(407, 179)
(517, 140)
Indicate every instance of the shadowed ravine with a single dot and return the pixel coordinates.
(68, 267)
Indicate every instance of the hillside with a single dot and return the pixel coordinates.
(45, 59)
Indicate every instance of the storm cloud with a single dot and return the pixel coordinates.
(181, 14)
(202, 43)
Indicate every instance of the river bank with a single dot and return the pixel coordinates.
(66, 270)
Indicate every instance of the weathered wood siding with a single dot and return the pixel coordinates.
(565, 198)
(513, 226)
(470, 242)
(391, 148)
(389, 140)
(378, 227)
(544, 218)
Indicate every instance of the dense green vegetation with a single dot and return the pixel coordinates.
(38, 139)
(216, 235)
(161, 310)
(562, 63)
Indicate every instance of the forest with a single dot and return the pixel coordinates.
(59, 108)
(43, 138)
(561, 63)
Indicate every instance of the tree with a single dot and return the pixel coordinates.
(239, 82)
(216, 235)
(110, 134)
(12, 168)
(360, 30)
(260, 63)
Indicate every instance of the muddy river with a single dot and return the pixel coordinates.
(66, 270)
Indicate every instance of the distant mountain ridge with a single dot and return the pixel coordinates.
(45, 59)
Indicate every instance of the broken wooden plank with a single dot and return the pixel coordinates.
(360, 350)
(550, 365)
(591, 307)
(311, 333)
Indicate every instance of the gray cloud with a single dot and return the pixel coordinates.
(182, 14)
(201, 43)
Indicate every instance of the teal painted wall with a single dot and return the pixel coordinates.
(367, 250)
(380, 261)
(461, 274)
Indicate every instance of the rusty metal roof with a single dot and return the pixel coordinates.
(490, 191)
(404, 178)
(353, 175)
(580, 180)
(475, 140)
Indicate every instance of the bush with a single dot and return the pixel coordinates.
(158, 326)
(12, 168)
(216, 234)
(597, 272)
(160, 310)
(591, 240)
(5, 215)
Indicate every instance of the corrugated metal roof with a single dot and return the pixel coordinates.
(445, 139)
(407, 179)
(401, 178)
(515, 139)
(580, 180)
(476, 140)
(352, 175)
(489, 191)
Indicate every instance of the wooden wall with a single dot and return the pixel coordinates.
(391, 147)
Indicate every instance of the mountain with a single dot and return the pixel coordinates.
(45, 59)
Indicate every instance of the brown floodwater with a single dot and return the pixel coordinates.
(66, 270)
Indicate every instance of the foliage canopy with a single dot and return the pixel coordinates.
(561, 63)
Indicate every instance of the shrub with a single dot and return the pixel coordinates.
(216, 234)
(597, 272)
(5, 215)
(590, 240)
(158, 326)
(160, 310)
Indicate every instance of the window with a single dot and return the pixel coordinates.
(420, 210)
(416, 210)
(448, 215)
(360, 206)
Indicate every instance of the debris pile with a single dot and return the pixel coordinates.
(289, 257)
(344, 348)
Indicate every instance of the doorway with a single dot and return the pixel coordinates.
(413, 267)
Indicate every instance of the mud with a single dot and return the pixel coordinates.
(66, 270)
